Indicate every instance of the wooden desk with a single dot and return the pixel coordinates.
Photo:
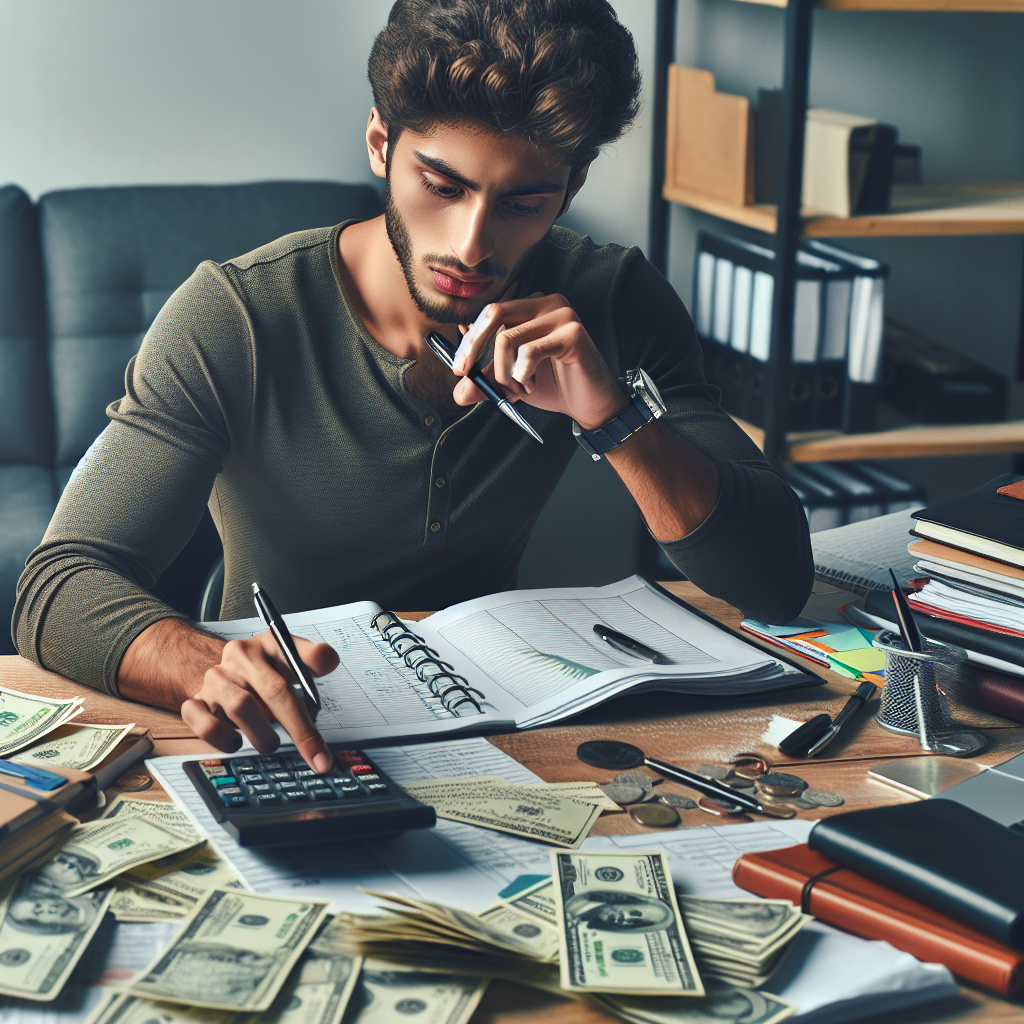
(683, 730)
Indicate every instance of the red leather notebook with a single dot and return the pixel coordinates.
(848, 900)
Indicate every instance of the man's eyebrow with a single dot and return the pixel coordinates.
(441, 167)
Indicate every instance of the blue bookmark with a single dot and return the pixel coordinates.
(36, 777)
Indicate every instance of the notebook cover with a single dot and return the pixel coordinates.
(984, 641)
(982, 513)
(942, 853)
(937, 552)
(873, 911)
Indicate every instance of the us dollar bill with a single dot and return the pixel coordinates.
(439, 923)
(527, 811)
(721, 1004)
(96, 853)
(760, 923)
(385, 993)
(187, 882)
(161, 812)
(530, 917)
(318, 990)
(43, 934)
(619, 925)
(234, 952)
(25, 719)
(79, 745)
(131, 904)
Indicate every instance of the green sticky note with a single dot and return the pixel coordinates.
(869, 660)
(851, 640)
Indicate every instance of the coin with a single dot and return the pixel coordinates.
(750, 766)
(722, 808)
(781, 784)
(675, 800)
(655, 815)
(822, 798)
(720, 772)
(776, 810)
(622, 793)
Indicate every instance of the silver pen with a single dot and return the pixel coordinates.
(444, 349)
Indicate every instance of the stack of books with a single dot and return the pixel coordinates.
(969, 554)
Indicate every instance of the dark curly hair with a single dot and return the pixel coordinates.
(561, 73)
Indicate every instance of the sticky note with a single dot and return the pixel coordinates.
(851, 640)
(870, 660)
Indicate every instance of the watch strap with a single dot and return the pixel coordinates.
(611, 434)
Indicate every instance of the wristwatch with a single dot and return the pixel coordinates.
(646, 405)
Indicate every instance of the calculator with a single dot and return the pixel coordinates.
(279, 800)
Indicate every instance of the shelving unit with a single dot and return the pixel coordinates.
(986, 208)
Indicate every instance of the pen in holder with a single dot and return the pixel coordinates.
(913, 703)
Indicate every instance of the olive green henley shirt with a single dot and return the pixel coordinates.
(260, 392)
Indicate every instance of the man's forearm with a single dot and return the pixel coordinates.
(166, 663)
(674, 484)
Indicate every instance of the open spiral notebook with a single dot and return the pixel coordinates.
(515, 660)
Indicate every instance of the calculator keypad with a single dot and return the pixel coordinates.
(287, 779)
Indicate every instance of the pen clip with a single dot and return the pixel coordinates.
(441, 347)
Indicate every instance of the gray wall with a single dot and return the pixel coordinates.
(111, 92)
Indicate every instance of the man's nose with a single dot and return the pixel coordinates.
(473, 238)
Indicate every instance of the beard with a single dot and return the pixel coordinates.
(451, 311)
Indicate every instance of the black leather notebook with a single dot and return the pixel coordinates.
(939, 852)
(982, 521)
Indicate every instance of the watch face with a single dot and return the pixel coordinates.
(645, 388)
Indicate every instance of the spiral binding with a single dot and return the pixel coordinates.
(444, 683)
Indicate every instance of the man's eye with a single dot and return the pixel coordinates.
(443, 191)
(521, 209)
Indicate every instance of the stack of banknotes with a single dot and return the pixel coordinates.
(607, 928)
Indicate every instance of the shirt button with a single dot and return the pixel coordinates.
(428, 420)
(435, 527)
(440, 481)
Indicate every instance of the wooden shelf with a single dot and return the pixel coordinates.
(997, 6)
(956, 208)
(903, 443)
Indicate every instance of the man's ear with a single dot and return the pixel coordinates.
(574, 186)
(377, 143)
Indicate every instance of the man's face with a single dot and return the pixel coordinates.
(465, 209)
(47, 910)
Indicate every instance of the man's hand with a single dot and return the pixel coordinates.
(543, 356)
(251, 688)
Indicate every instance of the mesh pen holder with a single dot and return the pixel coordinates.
(913, 703)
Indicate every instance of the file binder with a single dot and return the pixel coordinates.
(837, 331)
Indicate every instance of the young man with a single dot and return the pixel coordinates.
(292, 389)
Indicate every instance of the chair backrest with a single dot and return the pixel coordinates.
(113, 256)
(26, 420)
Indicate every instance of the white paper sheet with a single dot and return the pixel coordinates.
(452, 863)
(832, 976)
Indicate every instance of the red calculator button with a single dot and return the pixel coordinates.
(348, 755)
(212, 763)
(360, 769)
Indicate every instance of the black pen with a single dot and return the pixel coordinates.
(627, 645)
(445, 351)
(271, 618)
